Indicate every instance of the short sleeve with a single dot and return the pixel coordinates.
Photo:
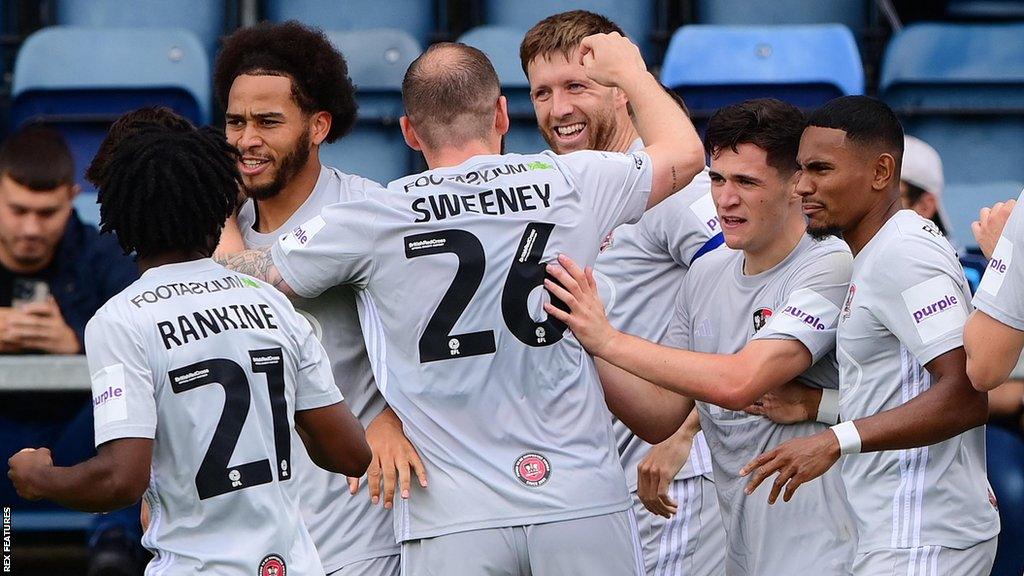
(684, 224)
(314, 382)
(1001, 293)
(329, 249)
(923, 300)
(123, 391)
(614, 186)
(678, 333)
(811, 310)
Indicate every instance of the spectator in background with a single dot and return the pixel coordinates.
(921, 182)
(55, 272)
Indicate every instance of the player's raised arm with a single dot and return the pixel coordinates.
(669, 137)
(258, 264)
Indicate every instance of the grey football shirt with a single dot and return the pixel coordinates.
(345, 528)
(639, 271)
(1001, 293)
(907, 305)
(720, 309)
(212, 365)
(502, 402)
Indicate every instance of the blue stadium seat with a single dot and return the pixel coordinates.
(636, 18)
(417, 17)
(50, 520)
(807, 65)
(377, 60)
(962, 200)
(961, 89)
(986, 9)
(851, 13)
(204, 18)
(80, 80)
(501, 45)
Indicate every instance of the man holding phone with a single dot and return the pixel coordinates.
(55, 272)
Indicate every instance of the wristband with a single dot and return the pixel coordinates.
(828, 408)
(849, 438)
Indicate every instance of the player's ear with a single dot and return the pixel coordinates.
(501, 121)
(320, 126)
(885, 171)
(409, 134)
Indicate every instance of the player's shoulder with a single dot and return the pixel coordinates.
(909, 238)
(714, 263)
(345, 187)
(118, 309)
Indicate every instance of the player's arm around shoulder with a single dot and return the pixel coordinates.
(671, 140)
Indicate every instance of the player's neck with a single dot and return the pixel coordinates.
(447, 157)
(766, 258)
(273, 212)
(858, 236)
(169, 257)
(623, 140)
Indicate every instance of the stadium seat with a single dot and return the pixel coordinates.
(80, 80)
(807, 65)
(961, 89)
(1005, 450)
(416, 17)
(50, 520)
(851, 13)
(636, 18)
(501, 45)
(962, 200)
(986, 9)
(204, 18)
(377, 60)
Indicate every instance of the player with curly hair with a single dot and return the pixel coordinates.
(286, 91)
(199, 377)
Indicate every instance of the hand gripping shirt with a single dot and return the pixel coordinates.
(502, 402)
(346, 528)
(907, 304)
(720, 309)
(212, 365)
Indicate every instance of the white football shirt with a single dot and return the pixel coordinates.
(1001, 293)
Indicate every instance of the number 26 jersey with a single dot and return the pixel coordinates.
(211, 365)
(502, 402)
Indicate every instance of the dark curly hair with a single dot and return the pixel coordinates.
(168, 189)
(127, 125)
(318, 72)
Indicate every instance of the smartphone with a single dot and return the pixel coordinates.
(26, 291)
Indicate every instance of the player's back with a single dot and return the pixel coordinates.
(502, 402)
(205, 361)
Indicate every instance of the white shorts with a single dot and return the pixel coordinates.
(606, 545)
(927, 561)
(693, 541)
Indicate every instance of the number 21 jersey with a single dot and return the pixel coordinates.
(502, 402)
(211, 365)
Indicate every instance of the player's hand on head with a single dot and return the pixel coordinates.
(795, 462)
(577, 288)
(394, 463)
(25, 467)
(989, 225)
(790, 403)
(610, 59)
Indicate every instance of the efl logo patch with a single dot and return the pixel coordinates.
(998, 267)
(936, 307)
(704, 209)
(638, 160)
(109, 395)
(273, 565)
(807, 310)
(532, 469)
(761, 317)
(302, 234)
